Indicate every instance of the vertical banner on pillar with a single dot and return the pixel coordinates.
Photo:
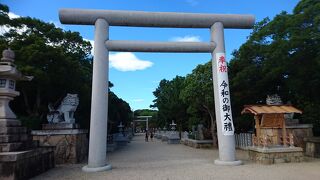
(224, 95)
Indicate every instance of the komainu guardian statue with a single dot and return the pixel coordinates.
(65, 111)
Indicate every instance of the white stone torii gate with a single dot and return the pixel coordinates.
(146, 119)
(102, 19)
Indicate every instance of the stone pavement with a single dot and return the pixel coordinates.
(142, 160)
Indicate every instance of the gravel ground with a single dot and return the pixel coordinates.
(158, 160)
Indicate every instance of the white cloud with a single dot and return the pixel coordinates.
(127, 61)
(186, 38)
(13, 15)
(192, 2)
(138, 100)
(124, 61)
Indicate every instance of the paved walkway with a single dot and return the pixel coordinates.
(158, 160)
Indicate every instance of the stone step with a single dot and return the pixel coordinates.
(9, 147)
(13, 138)
(13, 130)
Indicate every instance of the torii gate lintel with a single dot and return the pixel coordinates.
(144, 118)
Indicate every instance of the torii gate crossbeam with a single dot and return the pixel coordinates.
(102, 19)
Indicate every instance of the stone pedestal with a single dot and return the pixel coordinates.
(275, 155)
(13, 137)
(121, 140)
(202, 144)
(60, 126)
(164, 137)
(71, 145)
(173, 138)
(20, 158)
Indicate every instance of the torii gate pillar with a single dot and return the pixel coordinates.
(225, 128)
(97, 159)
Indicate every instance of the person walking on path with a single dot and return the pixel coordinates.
(147, 136)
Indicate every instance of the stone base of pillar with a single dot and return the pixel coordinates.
(227, 163)
(96, 169)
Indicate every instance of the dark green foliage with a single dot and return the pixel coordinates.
(198, 94)
(169, 103)
(188, 101)
(281, 56)
(60, 62)
(153, 121)
(30, 122)
(119, 111)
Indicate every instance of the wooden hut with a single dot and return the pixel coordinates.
(270, 124)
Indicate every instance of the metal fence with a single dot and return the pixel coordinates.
(243, 140)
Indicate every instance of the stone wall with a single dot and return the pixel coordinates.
(268, 157)
(25, 164)
(300, 131)
(70, 147)
(197, 143)
(313, 147)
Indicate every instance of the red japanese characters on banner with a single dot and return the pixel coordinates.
(222, 64)
(224, 96)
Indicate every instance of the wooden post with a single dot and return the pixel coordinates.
(284, 131)
(256, 117)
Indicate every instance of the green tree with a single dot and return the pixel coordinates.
(281, 56)
(169, 104)
(153, 121)
(119, 111)
(60, 62)
(198, 94)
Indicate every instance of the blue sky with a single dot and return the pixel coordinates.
(136, 76)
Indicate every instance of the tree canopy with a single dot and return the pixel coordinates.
(170, 106)
(281, 56)
(60, 62)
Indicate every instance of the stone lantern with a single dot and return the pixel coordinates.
(9, 74)
(173, 126)
(8, 77)
(121, 139)
(121, 126)
(18, 153)
(173, 137)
